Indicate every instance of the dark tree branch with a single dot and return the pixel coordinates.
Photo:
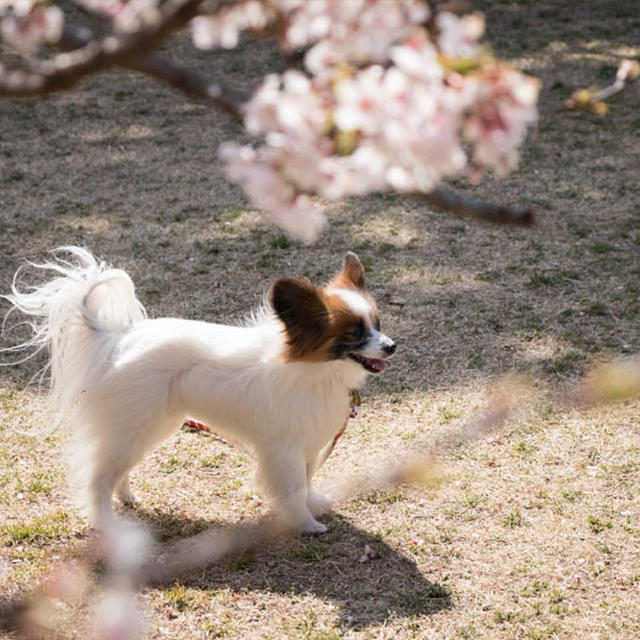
(451, 202)
(192, 83)
(66, 70)
(185, 80)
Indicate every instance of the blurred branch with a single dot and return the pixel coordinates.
(451, 202)
(191, 83)
(185, 80)
(37, 78)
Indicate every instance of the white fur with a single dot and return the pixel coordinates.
(376, 345)
(358, 304)
(126, 382)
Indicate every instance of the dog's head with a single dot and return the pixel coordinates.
(337, 322)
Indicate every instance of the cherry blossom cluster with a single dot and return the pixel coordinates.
(439, 106)
(336, 31)
(395, 95)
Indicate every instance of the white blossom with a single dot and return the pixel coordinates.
(459, 37)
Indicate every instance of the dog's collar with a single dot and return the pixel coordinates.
(354, 405)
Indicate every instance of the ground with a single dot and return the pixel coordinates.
(536, 531)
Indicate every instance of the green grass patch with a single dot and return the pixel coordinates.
(38, 530)
(514, 520)
(572, 363)
(596, 525)
(214, 461)
(570, 193)
(170, 465)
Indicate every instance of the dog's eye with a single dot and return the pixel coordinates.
(358, 334)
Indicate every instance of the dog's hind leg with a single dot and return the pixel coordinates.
(100, 491)
(284, 473)
(109, 476)
(108, 472)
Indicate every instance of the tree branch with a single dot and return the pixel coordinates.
(191, 83)
(66, 70)
(86, 55)
(185, 80)
(451, 202)
(593, 100)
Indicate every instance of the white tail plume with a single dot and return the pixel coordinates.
(74, 314)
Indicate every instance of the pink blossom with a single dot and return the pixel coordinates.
(367, 555)
(338, 30)
(358, 31)
(404, 125)
(224, 27)
(118, 616)
(286, 104)
(264, 183)
(31, 25)
(410, 121)
(497, 124)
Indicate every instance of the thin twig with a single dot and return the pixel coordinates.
(593, 100)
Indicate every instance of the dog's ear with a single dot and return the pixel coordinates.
(352, 274)
(298, 303)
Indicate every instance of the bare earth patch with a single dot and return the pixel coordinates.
(535, 532)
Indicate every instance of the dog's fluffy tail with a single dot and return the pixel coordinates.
(74, 315)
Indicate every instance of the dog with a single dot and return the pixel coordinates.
(280, 384)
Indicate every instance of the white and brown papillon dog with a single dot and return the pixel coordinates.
(280, 384)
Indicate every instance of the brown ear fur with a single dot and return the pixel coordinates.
(352, 274)
(299, 305)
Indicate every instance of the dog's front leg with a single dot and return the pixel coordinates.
(284, 473)
(317, 502)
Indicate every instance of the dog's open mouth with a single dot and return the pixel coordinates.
(372, 365)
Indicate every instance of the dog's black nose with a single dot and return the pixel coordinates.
(390, 349)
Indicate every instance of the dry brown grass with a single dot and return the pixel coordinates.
(536, 533)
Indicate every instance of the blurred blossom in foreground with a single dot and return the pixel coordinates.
(610, 382)
(118, 616)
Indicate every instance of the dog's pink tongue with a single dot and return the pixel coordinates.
(377, 364)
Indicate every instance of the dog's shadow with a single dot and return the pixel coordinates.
(364, 577)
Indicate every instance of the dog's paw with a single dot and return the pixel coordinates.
(304, 522)
(314, 527)
(128, 498)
